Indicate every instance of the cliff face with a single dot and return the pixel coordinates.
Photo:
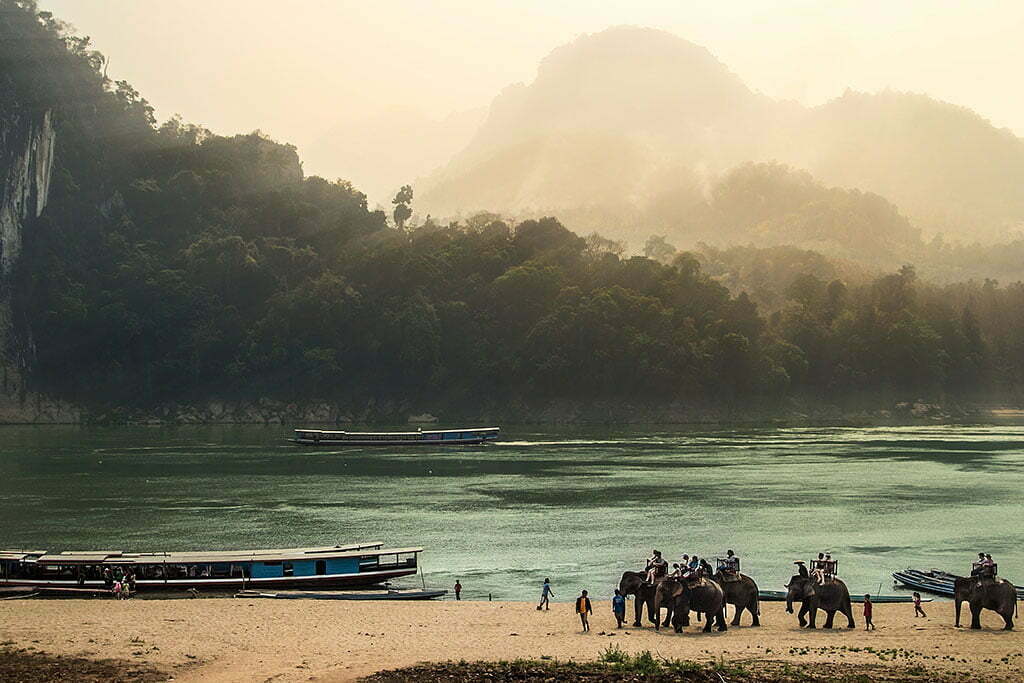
(26, 163)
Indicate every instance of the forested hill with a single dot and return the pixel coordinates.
(174, 265)
(625, 131)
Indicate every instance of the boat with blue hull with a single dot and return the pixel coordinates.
(433, 437)
(339, 566)
(932, 581)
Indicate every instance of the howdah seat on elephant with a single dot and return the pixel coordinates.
(727, 570)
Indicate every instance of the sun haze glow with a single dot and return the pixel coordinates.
(303, 71)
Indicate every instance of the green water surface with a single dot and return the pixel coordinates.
(576, 505)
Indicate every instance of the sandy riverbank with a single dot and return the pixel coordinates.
(298, 640)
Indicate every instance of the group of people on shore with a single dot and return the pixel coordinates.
(689, 566)
(984, 566)
(120, 583)
(822, 569)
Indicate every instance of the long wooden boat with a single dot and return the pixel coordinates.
(434, 437)
(348, 595)
(933, 581)
(780, 596)
(339, 566)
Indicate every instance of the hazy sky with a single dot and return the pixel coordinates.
(295, 69)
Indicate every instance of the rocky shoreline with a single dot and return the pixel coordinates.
(22, 408)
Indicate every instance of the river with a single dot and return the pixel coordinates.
(578, 505)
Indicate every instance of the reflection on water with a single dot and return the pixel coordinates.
(578, 505)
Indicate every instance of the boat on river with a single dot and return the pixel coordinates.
(433, 437)
(780, 596)
(338, 566)
(932, 581)
(390, 594)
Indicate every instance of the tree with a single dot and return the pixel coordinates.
(402, 201)
(658, 248)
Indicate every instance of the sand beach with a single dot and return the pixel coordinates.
(233, 639)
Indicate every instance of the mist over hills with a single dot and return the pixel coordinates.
(631, 131)
(387, 150)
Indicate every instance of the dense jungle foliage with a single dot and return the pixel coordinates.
(175, 264)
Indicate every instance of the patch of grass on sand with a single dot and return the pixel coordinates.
(617, 665)
(29, 666)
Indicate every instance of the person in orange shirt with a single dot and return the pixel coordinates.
(583, 608)
(868, 624)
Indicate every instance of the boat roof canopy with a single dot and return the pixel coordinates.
(20, 554)
(284, 555)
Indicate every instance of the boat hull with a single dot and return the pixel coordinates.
(932, 581)
(318, 438)
(331, 442)
(363, 579)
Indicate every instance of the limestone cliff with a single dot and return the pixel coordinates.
(26, 164)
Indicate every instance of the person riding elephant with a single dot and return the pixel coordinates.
(635, 584)
(831, 597)
(996, 594)
(679, 597)
(740, 591)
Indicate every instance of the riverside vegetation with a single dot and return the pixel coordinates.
(173, 264)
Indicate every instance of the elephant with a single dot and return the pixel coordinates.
(831, 597)
(706, 597)
(635, 583)
(998, 595)
(742, 594)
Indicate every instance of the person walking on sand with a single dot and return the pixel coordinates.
(583, 608)
(619, 608)
(918, 612)
(545, 594)
(868, 624)
(458, 590)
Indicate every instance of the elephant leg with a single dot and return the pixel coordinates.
(1008, 618)
(812, 617)
(721, 620)
(829, 618)
(802, 616)
(668, 617)
(709, 618)
(849, 617)
(737, 611)
(638, 608)
(975, 617)
(756, 617)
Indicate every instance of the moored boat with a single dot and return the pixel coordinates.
(932, 581)
(435, 437)
(350, 595)
(780, 596)
(340, 566)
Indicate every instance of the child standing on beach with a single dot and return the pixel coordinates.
(868, 624)
(918, 612)
(583, 608)
(458, 590)
(619, 608)
(545, 594)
